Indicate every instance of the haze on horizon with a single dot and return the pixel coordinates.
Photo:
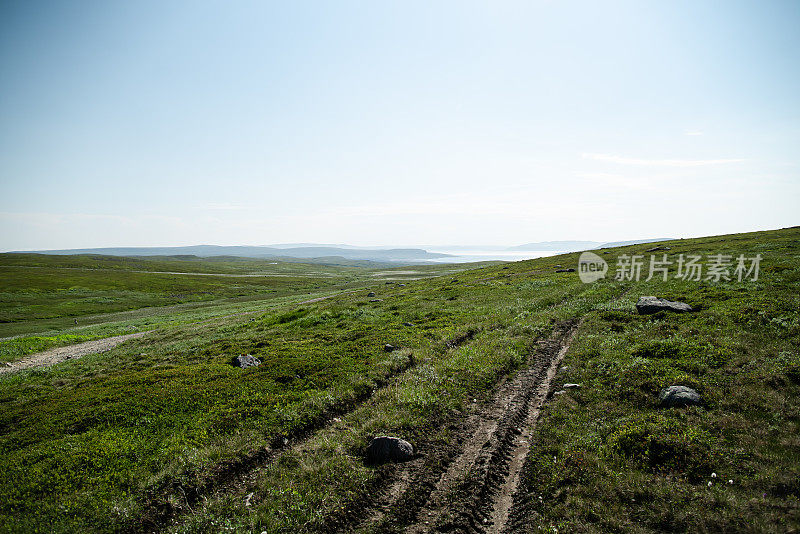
(395, 123)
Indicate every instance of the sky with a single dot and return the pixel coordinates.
(178, 122)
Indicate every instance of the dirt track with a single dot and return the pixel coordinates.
(69, 352)
(60, 354)
(470, 488)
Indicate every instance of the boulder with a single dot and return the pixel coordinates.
(678, 396)
(389, 348)
(565, 270)
(572, 386)
(245, 360)
(650, 305)
(371, 294)
(389, 449)
(408, 324)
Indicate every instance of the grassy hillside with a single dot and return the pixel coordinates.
(150, 435)
(50, 301)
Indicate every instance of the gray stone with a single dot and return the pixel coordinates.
(245, 360)
(401, 285)
(678, 396)
(375, 300)
(389, 449)
(565, 270)
(572, 386)
(408, 324)
(371, 294)
(389, 348)
(650, 305)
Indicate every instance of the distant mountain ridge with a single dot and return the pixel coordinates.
(562, 246)
(573, 246)
(309, 252)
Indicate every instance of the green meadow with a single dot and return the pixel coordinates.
(140, 438)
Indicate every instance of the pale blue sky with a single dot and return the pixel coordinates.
(185, 122)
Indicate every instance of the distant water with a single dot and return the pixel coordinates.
(465, 256)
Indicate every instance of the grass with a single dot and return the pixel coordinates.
(91, 444)
(607, 458)
(14, 349)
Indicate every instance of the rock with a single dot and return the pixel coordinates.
(375, 300)
(8, 364)
(650, 305)
(401, 285)
(387, 283)
(371, 294)
(563, 369)
(678, 396)
(389, 449)
(572, 386)
(408, 324)
(655, 249)
(565, 270)
(245, 360)
(559, 392)
(279, 442)
(389, 348)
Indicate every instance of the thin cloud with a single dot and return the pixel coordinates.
(692, 132)
(659, 162)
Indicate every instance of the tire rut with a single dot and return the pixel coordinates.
(162, 510)
(469, 487)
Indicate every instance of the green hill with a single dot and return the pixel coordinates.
(161, 433)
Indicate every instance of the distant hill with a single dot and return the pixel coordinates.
(560, 246)
(310, 252)
(573, 246)
(634, 242)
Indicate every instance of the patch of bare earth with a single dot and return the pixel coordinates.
(69, 352)
(469, 487)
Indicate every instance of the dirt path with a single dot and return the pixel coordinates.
(68, 352)
(471, 487)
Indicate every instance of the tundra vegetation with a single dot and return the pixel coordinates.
(163, 433)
